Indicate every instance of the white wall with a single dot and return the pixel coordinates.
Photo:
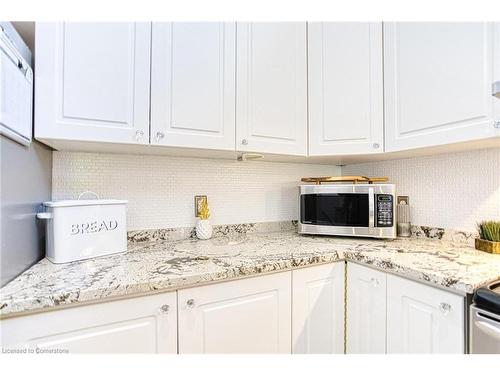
(161, 189)
(452, 191)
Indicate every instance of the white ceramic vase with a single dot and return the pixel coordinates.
(203, 229)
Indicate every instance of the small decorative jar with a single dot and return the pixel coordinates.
(203, 229)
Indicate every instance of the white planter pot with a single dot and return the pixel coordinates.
(203, 229)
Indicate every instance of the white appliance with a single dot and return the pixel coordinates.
(83, 229)
(16, 86)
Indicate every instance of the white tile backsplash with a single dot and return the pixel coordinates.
(452, 191)
(161, 189)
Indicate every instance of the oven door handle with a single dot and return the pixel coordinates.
(371, 209)
(488, 329)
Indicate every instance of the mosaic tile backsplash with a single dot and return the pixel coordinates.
(161, 189)
(452, 191)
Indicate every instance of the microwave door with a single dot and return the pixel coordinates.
(335, 209)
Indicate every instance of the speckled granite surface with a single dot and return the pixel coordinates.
(161, 265)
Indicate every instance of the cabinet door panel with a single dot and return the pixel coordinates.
(193, 84)
(271, 88)
(345, 88)
(423, 319)
(136, 325)
(366, 310)
(243, 316)
(438, 79)
(92, 81)
(318, 309)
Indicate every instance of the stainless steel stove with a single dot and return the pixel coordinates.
(485, 320)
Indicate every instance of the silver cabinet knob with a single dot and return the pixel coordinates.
(375, 282)
(244, 141)
(165, 309)
(190, 303)
(496, 124)
(159, 136)
(376, 145)
(138, 135)
(445, 308)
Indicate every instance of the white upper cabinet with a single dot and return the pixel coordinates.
(438, 83)
(92, 81)
(271, 81)
(243, 316)
(318, 309)
(366, 310)
(345, 88)
(423, 319)
(193, 85)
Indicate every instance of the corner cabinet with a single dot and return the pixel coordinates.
(136, 325)
(243, 316)
(92, 82)
(366, 310)
(318, 309)
(193, 85)
(438, 83)
(271, 89)
(422, 319)
(346, 114)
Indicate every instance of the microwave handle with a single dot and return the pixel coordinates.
(371, 208)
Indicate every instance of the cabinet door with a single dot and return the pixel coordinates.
(423, 319)
(92, 81)
(271, 109)
(366, 310)
(345, 88)
(438, 83)
(193, 85)
(137, 325)
(318, 309)
(243, 316)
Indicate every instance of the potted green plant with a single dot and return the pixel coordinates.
(489, 237)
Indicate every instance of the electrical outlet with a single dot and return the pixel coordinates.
(198, 201)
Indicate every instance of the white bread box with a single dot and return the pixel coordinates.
(83, 229)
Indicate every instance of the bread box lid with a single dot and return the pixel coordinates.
(84, 202)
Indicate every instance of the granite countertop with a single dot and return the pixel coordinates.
(163, 265)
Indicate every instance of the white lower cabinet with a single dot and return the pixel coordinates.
(423, 319)
(366, 310)
(244, 316)
(318, 309)
(301, 311)
(137, 325)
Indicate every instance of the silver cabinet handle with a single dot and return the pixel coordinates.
(496, 124)
(376, 145)
(160, 136)
(445, 308)
(375, 282)
(165, 309)
(190, 303)
(138, 135)
(244, 141)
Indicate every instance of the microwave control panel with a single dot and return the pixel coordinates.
(385, 210)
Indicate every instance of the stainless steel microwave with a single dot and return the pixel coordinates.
(363, 210)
